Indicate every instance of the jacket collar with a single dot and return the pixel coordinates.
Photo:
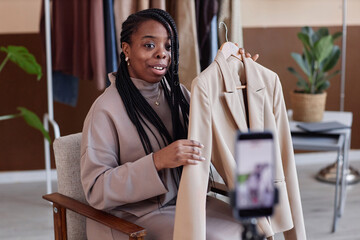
(254, 89)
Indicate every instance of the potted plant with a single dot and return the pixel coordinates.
(319, 56)
(26, 61)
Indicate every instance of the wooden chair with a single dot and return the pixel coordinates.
(70, 207)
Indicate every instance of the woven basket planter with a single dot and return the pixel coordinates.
(308, 107)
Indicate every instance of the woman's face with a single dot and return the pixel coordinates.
(149, 52)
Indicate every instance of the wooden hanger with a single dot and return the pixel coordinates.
(229, 48)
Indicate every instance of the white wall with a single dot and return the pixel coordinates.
(22, 16)
(290, 13)
(19, 16)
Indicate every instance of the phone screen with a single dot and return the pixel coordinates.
(254, 174)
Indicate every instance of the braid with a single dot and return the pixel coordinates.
(137, 108)
(135, 105)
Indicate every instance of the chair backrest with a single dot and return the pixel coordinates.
(67, 160)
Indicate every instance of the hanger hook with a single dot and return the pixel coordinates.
(226, 30)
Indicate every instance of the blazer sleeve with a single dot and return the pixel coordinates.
(190, 216)
(107, 183)
(288, 161)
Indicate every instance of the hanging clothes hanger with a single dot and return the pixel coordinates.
(229, 48)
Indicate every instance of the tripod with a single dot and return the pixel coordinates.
(250, 231)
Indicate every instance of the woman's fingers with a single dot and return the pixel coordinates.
(194, 157)
(191, 143)
(189, 149)
(255, 57)
(190, 155)
(191, 162)
(180, 152)
(248, 55)
(190, 152)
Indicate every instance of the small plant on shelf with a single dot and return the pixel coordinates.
(318, 58)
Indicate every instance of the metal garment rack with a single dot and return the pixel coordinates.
(343, 56)
(49, 117)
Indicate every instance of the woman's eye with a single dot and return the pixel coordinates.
(168, 47)
(149, 45)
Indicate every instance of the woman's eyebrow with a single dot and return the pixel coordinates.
(148, 36)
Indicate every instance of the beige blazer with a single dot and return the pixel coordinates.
(216, 112)
(116, 174)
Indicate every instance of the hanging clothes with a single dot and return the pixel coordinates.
(214, 38)
(65, 88)
(78, 40)
(205, 12)
(97, 43)
(230, 14)
(183, 13)
(110, 38)
(123, 8)
(217, 111)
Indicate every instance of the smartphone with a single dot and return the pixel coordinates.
(254, 176)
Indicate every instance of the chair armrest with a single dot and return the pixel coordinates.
(219, 188)
(133, 230)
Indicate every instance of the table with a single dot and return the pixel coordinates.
(334, 140)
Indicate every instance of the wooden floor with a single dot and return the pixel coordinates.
(318, 200)
(24, 215)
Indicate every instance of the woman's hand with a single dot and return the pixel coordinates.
(178, 153)
(248, 55)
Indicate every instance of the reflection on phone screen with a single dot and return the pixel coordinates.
(254, 174)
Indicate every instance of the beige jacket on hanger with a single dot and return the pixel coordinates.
(216, 112)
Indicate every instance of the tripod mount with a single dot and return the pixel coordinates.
(250, 231)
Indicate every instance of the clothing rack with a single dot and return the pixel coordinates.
(49, 116)
(343, 56)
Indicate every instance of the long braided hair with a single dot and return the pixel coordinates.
(137, 108)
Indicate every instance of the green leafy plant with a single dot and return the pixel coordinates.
(26, 61)
(319, 56)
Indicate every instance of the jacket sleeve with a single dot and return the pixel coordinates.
(107, 183)
(190, 217)
(288, 161)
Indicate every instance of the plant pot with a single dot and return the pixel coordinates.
(308, 107)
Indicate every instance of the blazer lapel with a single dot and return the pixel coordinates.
(231, 94)
(255, 95)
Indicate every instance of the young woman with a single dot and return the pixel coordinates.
(134, 137)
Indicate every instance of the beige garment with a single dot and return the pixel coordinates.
(123, 8)
(115, 171)
(159, 224)
(97, 45)
(108, 154)
(230, 14)
(183, 13)
(216, 113)
(117, 175)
